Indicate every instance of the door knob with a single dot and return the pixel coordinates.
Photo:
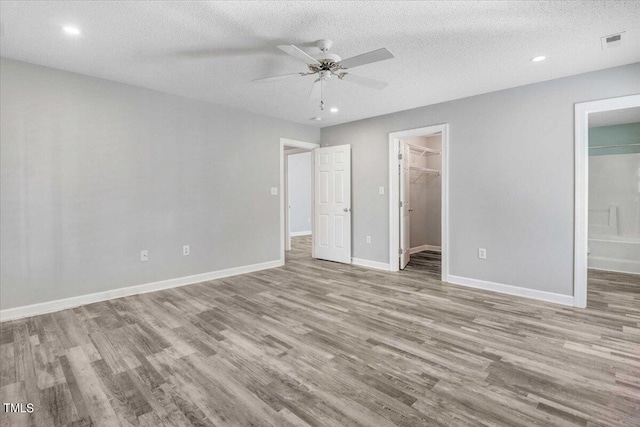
(346, 209)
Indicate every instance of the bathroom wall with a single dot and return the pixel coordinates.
(614, 181)
(614, 198)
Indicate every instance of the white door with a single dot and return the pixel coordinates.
(405, 205)
(332, 203)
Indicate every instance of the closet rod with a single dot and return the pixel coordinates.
(598, 147)
(423, 150)
(423, 171)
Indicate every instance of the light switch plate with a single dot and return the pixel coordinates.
(381, 191)
(274, 191)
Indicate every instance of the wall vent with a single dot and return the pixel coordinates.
(613, 40)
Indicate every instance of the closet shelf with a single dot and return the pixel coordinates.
(424, 151)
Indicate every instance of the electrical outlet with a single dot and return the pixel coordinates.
(381, 191)
(185, 250)
(144, 255)
(368, 239)
(482, 253)
(274, 191)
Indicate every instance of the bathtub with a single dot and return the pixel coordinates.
(615, 253)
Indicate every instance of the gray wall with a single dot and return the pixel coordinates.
(93, 171)
(511, 177)
(426, 195)
(299, 172)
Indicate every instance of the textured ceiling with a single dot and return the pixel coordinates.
(213, 50)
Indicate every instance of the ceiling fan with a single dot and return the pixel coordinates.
(327, 65)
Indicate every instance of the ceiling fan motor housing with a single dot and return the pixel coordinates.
(328, 61)
(328, 57)
(324, 44)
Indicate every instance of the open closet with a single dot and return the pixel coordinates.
(422, 189)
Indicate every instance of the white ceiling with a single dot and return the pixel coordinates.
(614, 117)
(212, 51)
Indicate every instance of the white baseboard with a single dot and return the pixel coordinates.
(300, 233)
(370, 264)
(513, 290)
(613, 264)
(614, 271)
(63, 304)
(425, 248)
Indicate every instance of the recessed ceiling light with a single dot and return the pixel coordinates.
(538, 58)
(334, 110)
(74, 31)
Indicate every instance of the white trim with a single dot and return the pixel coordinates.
(287, 205)
(299, 144)
(394, 196)
(63, 304)
(370, 264)
(628, 266)
(394, 201)
(425, 248)
(581, 182)
(300, 233)
(293, 151)
(512, 290)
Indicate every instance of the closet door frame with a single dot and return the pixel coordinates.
(394, 193)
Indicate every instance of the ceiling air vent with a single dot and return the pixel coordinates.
(613, 40)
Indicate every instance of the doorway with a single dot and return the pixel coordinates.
(418, 199)
(299, 227)
(421, 196)
(607, 191)
(298, 189)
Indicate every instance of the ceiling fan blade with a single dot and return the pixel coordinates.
(367, 58)
(274, 78)
(316, 90)
(298, 53)
(364, 81)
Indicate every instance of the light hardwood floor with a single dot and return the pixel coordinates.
(323, 344)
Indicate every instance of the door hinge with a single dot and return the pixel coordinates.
(399, 156)
(400, 204)
(399, 251)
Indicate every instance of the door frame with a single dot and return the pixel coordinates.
(394, 193)
(581, 188)
(298, 144)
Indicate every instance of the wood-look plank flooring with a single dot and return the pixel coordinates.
(427, 263)
(323, 344)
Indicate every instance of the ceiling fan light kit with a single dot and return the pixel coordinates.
(327, 65)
